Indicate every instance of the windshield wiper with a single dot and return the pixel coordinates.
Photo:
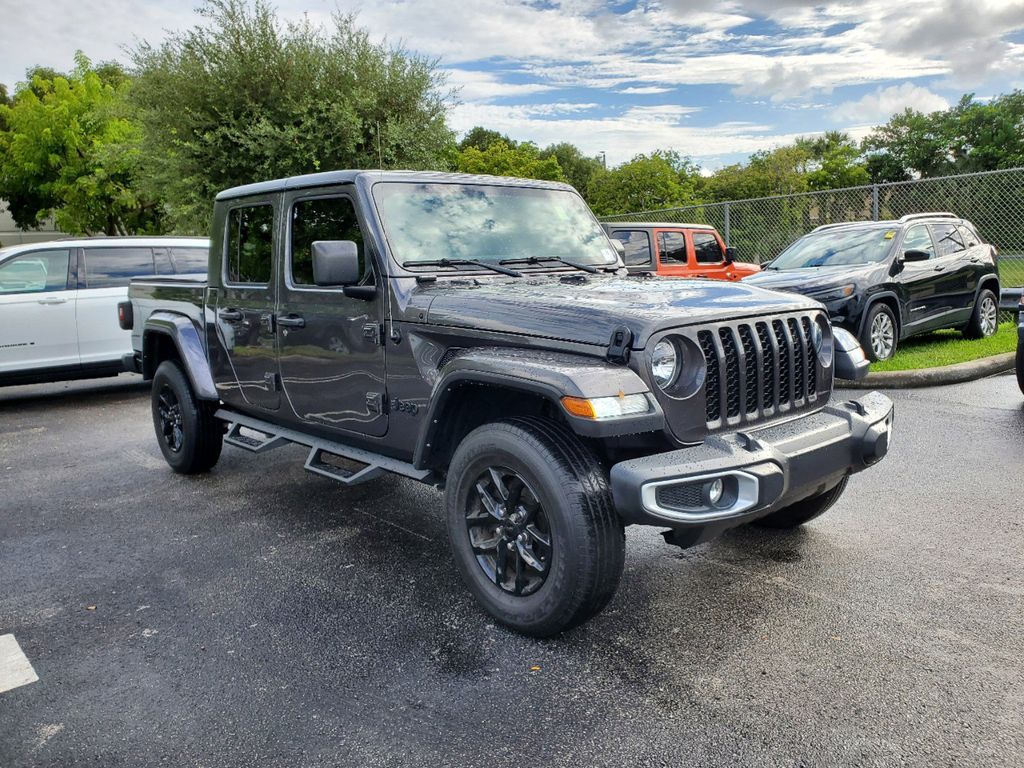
(559, 259)
(461, 263)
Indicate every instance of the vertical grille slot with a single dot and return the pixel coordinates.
(749, 368)
(785, 393)
(732, 372)
(799, 360)
(712, 388)
(812, 358)
(768, 359)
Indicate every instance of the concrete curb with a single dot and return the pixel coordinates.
(931, 377)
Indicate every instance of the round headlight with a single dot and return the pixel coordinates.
(664, 363)
(817, 337)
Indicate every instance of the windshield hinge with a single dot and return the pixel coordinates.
(618, 347)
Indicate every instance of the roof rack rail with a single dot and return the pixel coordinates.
(835, 224)
(927, 215)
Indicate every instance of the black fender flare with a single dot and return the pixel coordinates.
(189, 343)
(872, 300)
(550, 375)
(990, 281)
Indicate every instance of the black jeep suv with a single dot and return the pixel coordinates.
(887, 280)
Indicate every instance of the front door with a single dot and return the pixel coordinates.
(37, 311)
(709, 256)
(246, 374)
(920, 279)
(331, 345)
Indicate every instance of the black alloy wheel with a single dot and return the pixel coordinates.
(169, 410)
(509, 531)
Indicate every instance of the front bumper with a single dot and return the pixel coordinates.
(762, 470)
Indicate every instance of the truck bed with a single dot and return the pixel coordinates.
(185, 295)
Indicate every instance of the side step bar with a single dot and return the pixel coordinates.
(374, 464)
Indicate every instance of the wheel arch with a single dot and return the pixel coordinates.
(476, 385)
(170, 336)
(892, 301)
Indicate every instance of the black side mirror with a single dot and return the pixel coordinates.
(730, 255)
(915, 255)
(335, 262)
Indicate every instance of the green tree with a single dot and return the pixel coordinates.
(579, 169)
(4, 102)
(658, 180)
(245, 97)
(482, 138)
(500, 159)
(71, 150)
(835, 161)
(780, 171)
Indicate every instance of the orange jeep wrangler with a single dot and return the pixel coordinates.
(677, 250)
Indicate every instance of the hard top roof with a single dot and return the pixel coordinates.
(328, 178)
(657, 225)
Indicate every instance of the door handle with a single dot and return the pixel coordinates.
(291, 321)
(975, 259)
(938, 269)
(231, 315)
(53, 300)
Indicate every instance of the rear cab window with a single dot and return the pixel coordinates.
(36, 272)
(637, 246)
(250, 244)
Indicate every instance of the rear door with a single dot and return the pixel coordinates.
(639, 255)
(673, 255)
(957, 285)
(102, 283)
(37, 310)
(331, 346)
(244, 306)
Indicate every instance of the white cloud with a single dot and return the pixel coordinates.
(644, 90)
(879, 106)
(480, 86)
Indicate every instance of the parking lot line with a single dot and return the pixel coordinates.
(15, 668)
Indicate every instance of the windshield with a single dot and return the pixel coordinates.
(827, 249)
(430, 222)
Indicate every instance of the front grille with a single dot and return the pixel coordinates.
(758, 369)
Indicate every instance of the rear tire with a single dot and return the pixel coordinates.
(881, 333)
(984, 321)
(1020, 367)
(514, 485)
(804, 510)
(189, 436)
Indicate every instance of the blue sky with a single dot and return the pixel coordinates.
(713, 80)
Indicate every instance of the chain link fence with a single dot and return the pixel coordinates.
(759, 229)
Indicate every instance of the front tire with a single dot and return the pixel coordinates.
(189, 436)
(1020, 367)
(881, 334)
(532, 526)
(984, 321)
(804, 510)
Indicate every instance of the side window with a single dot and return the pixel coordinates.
(637, 244)
(707, 249)
(326, 218)
(947, 239)
(969, 236)
(918, 239)
(189, 260)
(250, 245)
(673, 248)
(35, 272)
(114, 267)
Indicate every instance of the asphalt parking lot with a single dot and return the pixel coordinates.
(264, 616)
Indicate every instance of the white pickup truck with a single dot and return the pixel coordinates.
(58, 302)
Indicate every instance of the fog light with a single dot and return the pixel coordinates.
(715, 490)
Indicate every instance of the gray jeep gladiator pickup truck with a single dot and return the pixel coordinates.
(480, 334)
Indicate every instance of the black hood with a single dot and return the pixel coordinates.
(811, 279)
(588, 309)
